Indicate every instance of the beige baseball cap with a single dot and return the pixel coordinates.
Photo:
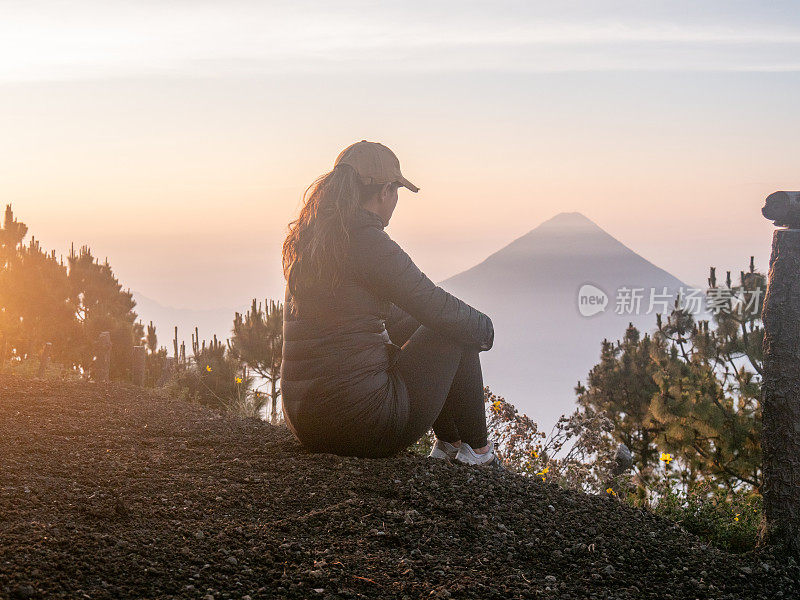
(374, 163)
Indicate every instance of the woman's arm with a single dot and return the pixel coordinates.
(387, 270)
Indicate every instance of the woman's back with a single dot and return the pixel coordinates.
(341, 389)
(335, 353)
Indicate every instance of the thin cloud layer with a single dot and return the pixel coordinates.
(57, 40)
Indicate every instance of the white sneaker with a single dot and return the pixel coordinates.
(466, 455)
(444, 450)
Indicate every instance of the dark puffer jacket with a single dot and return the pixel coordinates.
(340, 390)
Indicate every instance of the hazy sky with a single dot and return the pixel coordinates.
(176, 138)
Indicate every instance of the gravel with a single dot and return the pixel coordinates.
(111, 491)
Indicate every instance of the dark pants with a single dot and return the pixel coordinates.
(444, 383)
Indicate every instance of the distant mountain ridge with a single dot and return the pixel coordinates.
(568, 246)
(543, 345)
(210, 322)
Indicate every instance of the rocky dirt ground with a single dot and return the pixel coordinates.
(108, 491)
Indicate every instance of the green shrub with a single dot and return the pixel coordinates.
(214, 377)
(728, 519)
(218, 384)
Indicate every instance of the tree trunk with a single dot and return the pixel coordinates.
(780, 440)
(274, 395)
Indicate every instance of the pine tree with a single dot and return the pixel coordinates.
(258, 342)
(692, 391)
(151, 339)
(621, 387)
(708, 400)
(42, 299)
(36, 302)
(11, 236)
(103, 306)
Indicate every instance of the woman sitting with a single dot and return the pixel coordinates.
(374, 353)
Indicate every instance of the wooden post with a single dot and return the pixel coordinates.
(103, 361)
(44, 359)
(139, 359)
(780, 442)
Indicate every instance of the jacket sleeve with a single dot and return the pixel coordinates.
(389, 272)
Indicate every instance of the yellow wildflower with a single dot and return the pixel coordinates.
(611, 491)
(666, 457)
(736, 518)
(497, 405)
(238, 380)
(208, 368)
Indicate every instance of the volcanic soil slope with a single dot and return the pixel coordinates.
(110, 491)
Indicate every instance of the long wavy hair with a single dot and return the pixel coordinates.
(315, 251)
